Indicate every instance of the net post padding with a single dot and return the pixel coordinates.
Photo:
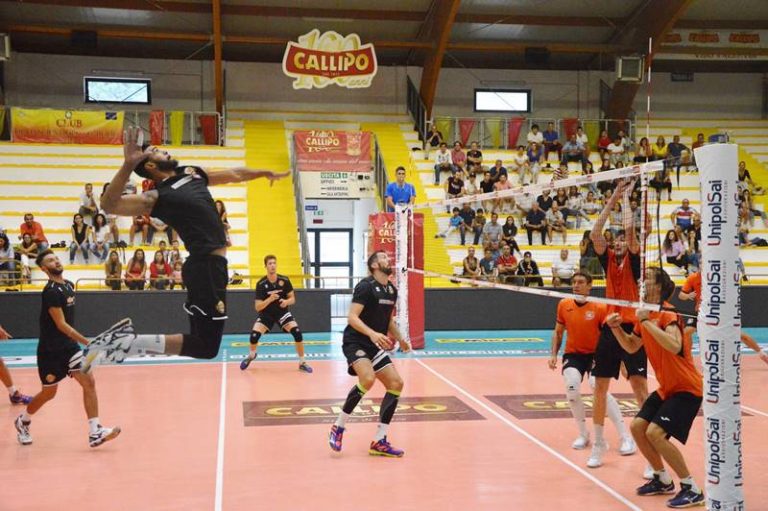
(719, 325)
(403, 215)
(409, 252)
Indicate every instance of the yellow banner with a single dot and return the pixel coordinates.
(66, 126)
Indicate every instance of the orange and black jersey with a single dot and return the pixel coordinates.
(582, 322)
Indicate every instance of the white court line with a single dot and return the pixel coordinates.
(222, 424)
(533, 439)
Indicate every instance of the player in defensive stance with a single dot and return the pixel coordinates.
(671, 409)
(59, 355)
(14, 394)
(582, 321)
(274, 294)
(364, 343)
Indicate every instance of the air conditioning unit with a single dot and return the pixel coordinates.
(5, 47)
(630, 69)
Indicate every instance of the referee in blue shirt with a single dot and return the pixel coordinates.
(400, 192)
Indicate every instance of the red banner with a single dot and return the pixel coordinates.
(299, 60)
(210, 127)
(333, 151)
(569, 128)
(513, 131)
(156, 126)
(465, 130)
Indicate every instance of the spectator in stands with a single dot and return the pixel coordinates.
(610, 239)
(8, 271)
(467, 215)
(506, 265)
(174, 254)
(486, 186)
(471, 265)
(745, 181)
(458, 157)
(136, 271)
(503, 204)
(582, 139)
(562, 268)
(751, 210)
(573, 150)
(443, 162)
(508, 233)
(535, 136)
(101, 237)
(662, 181)
(28, 250)
(692, 250)
(176, 279)
(588, 170)
(536, 220)
(492, 231)
(158, 226)
(589, 261)
(683, 215)
(488, 268)
(523, 204)
(474, 158)
(398, 192)
(35, 230)
(644, 151)
(454, 187)
(114, 230)
(434, 139)
(616, 222)
(700, 142)
(627, 143)
(552, 142)
(159, 272)
(454, 224)
(615, 151)
(590, 205)
(221, 209)
(535, 155)
(140, 223)
(471, 188)
(675, 155)
(498, 170)
(556, 223)
(674, 251)
(660, 149)
(88, 206)
(544, 200)
(637, 213)
(519, 162)
(478, 224)
(81, 238)
(529, 270)
(574, 206)
(495, 249)
(602, 144)
(113, 271)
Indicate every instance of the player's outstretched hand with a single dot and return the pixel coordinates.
(4, 335)
(133, 138)
(382, 341)
(613, 320)
(276, 176)
(552, 363)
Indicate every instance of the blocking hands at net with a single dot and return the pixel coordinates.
(181, 199)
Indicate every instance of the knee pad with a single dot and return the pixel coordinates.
(296, 333)
(572, 378)
(255, 336)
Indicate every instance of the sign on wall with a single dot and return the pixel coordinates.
(66, 126)
(334, 164)
(712, 41)
(318, 60)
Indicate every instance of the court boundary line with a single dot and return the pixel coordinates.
(604, 486)
(221, 437)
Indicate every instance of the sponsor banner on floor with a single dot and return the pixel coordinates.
(50, 126)
(325, 411)
(489, 340)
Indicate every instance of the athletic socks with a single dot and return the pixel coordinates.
(688, 481)
(353, 398)
(147, 344)
(93, 425)
(25, 417)
(388, 406)
(599, 439)
(614, 414)
(341, 420)
(11, 390)
(663, 476)
(381, 432)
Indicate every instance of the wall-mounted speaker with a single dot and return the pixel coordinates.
(629, 69)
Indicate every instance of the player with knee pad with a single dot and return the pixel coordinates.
(582, 322)
(274, 294)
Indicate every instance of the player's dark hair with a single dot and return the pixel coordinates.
(664, 281)
(373, 258)
(584, 274)
(41, 256)
(268, 258)
(140, 169)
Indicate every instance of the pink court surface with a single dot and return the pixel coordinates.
(479, 433)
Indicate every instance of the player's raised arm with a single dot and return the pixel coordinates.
(112, 200)
(597, 230)
(242, 174)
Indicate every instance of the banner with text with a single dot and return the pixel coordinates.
(66, 126)
(334, 164)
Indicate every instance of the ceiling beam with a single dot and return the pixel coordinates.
(438, 24)
(519, 47)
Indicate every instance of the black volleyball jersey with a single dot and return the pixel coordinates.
(265, 288)
(186, 205)
(378, 303)
(62, 296)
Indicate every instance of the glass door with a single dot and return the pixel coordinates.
(331, 257)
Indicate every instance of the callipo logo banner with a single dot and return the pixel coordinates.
(319, 60)
(49, 126)
(719, 326)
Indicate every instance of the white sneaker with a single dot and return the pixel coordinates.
(581, 442)
(103, 435)
(648, 472)
(115, 342)
(22, 431)
(628, 446)
(596, 457)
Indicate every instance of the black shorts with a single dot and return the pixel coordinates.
(582, 362)
(206, 279)
(268, 320)
(55, 365)
(674, 415)
(355, 349)
(609, 355)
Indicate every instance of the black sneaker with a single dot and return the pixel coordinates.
(656, 487)
(686, 498)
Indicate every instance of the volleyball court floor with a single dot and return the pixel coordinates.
(483, 421)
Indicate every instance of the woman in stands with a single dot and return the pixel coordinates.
(101, 237)
(674, 251)
(159, 272)
(748, 205)
(113, 270)
(28, 250)
(660, 150)
(222, 210)
(81, 237)
(602, 144)
(136, 271)
(644, 151)
(508, 233)
(7, 261)
(529, 270)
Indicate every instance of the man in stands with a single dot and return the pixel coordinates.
(88, 207)
(683, 215)
(536, 220)
(474, 158)
(535, 136)
(556, 223)
(574, 151)
(564, 269)
(506, 265)
(492, 231)
(552, 142)
(443, 162)
(35, 230)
